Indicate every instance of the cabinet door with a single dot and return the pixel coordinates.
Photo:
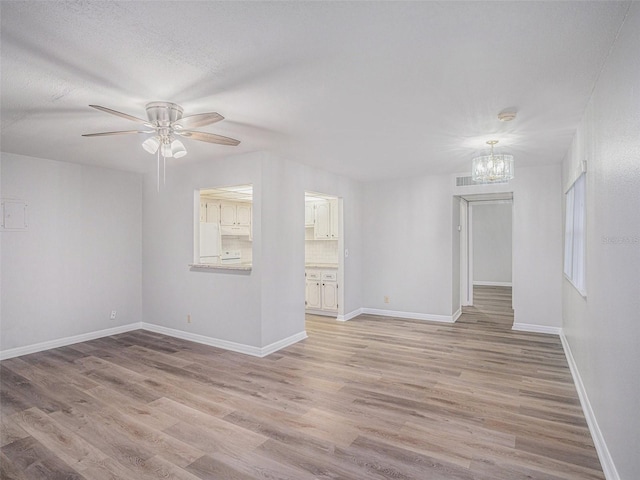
(227, 214)
(213, 212)
(243, 214)
(329, 296)
(313, 298)
(308, 214)
(334, 217)
(203, 211)
(321, 229)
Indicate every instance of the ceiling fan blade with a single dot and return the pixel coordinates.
(120, 114)
(199, 120)
(207, 137)
(122, 132)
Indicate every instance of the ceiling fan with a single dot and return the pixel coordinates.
(165, 121)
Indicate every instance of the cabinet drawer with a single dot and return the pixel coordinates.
(313, 275)
(329, 276)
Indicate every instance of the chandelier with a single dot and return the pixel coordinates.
(492, 168)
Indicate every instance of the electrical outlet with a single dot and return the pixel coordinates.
(189, 318)
(386, 299)
(113, 314)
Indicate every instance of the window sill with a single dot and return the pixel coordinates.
(582, 293)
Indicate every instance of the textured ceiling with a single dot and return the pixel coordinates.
(370, 90)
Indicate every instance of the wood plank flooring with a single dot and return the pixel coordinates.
(372, 398)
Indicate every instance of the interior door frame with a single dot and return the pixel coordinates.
(342, 253)
(466, 241)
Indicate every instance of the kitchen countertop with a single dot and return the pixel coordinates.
(243, 267)
(321, 265)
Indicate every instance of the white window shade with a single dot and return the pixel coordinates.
(575, 235)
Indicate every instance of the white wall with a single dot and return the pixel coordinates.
(351, 194)
(80, 257)
(491, 226)
(537, 247)
(257, 308)
(603, 329)
(282, 247)
(222, 305)
(408, 245)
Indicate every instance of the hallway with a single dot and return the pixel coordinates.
(492, 307)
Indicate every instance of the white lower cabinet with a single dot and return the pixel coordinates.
(321, 291)
(313, 297)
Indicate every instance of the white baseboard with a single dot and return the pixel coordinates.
(606, 461)
(214, 342)
(456, 315)
(348, 316)
(225, 344)
(528, 327)
(323, 313)
(280, 344)
(410, 315)
(492, 284)
(63, 342)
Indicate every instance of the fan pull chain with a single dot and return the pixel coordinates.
(158, 173)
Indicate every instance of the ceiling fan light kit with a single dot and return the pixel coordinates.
(166, 121)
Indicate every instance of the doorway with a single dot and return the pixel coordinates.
(486, 264)
(323, 260)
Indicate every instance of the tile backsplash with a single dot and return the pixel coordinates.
(238, 243)
(321, 251)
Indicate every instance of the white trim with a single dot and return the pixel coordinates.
(528, 327)
(606, 461)
(226, 344)
(456, 315)
(63, 342)
(410, 315)
(324, 313)
(285, 342)
(470, 255)
(214, 342)
(350, 315)
(492, 284)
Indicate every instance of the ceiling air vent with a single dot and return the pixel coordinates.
(465, 181)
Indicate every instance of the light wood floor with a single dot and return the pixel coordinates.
(373, 398)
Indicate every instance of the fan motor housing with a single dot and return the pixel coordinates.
(163, 113)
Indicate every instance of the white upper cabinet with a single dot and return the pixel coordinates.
(322, 226)
(210, 212)
(235, 214)
(243, 214)
(213, 212)
(334, 224)
(309, 214)
(326, 226)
